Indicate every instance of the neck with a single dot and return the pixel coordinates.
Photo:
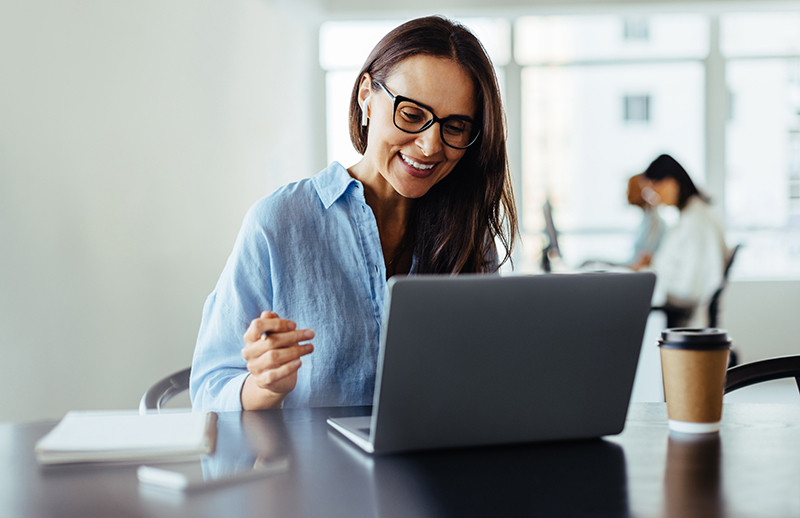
(390, 208)
(392, 212)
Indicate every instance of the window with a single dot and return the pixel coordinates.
(590, 122)
(636, 108)
(636, 29)
(575, 39)
(762, 141)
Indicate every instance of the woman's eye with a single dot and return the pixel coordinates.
(455, 128)
(412, 115)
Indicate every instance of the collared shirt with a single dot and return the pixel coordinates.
(310, 252)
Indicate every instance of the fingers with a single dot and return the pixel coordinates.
(273, 351)
(276, 358)
(268, 322)
(274, 341)
(271, 377)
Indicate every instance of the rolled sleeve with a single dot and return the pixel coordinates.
(242, 293)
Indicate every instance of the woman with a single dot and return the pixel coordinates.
(432, 194)
(690, 262)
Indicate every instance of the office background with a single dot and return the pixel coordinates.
(135, 135)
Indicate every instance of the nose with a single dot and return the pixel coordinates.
(430, 140)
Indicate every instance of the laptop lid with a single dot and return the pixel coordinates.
(476, 360)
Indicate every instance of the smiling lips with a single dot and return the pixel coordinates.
(415, 168)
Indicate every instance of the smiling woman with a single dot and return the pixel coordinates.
(431, 194)
(445, 70)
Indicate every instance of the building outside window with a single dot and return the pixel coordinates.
(636, 108)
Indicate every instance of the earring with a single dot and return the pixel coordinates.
(364, 117)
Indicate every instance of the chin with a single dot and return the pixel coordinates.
(413, 193)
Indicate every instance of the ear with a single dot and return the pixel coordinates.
(364, 94)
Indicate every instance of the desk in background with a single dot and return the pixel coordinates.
(752, 468)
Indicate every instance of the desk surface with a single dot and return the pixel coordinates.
(752, 468)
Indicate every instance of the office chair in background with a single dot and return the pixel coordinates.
(678, 316)
(713, 305)
(763, 370)
(163, 390)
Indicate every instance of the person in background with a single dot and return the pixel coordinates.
(652, 228)
(431, 194)
(690, 262)
(648, 236)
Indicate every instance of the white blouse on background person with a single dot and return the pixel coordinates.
(690, 262)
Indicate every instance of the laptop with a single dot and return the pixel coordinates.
(475, 360)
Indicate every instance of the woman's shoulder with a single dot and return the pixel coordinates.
(301, 195)
(700, 224)
(699, 211)
(284, 198)
(298, 201)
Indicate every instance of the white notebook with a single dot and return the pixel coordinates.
(122, 436)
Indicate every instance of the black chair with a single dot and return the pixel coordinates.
(678, 316)
(713, 305)
(763, 370)
(163, 390)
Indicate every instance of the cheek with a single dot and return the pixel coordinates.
(454, 156)
(385, 138)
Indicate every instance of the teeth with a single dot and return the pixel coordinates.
(414, 164)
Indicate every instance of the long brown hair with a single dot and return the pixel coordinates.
(455, 224)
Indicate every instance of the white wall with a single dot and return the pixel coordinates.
(133, 138)
(762, 318)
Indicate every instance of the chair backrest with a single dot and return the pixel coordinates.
(163, 390)
(763, 370)
(731, 257)
(713, 304)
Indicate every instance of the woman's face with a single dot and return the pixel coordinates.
(668, 190)
(414, 162)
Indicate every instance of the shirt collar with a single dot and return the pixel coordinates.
(332, 183)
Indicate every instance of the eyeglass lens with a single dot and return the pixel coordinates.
(411, 117)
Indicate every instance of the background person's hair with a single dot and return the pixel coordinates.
(453, 227)
(667, 167)
(634, 193)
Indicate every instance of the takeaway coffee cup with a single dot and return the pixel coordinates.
(693, 363)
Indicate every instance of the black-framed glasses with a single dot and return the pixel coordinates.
(457, 131)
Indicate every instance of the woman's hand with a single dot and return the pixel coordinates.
(643, 262)
(272, 350)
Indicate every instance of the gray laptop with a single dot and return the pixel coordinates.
(476, 360)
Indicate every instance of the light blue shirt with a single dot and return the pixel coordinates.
(650, 233)
(310, 252)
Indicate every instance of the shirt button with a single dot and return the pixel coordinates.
(363, 208)
(377, 269)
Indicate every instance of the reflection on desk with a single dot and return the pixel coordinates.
(752, 468)
(559, 479)
(692, 480)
